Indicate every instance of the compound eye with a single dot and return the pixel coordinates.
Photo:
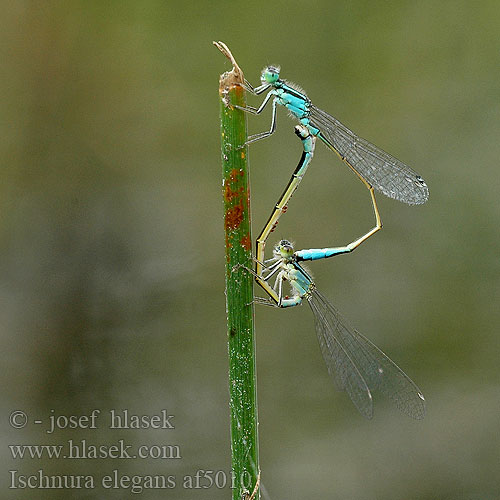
(270, 74)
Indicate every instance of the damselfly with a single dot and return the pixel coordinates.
(355, 364)
(374, 167)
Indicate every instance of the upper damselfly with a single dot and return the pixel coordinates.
(374, 167)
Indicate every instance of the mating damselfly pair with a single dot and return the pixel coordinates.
(356, 364)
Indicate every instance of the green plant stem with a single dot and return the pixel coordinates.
(239, 283)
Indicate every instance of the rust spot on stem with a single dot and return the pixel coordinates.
(246, 243)
(233, 175)
(234, 216)
(230, 194)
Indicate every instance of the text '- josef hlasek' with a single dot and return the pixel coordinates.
(114, 419)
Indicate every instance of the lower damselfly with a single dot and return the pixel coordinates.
(354, 362)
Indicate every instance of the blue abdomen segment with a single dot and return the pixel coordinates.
(305, 121)
(320, 253)
(306, 159)
(308, 147)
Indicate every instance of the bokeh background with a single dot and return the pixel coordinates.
(112, 246)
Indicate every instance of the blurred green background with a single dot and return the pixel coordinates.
(112, 246)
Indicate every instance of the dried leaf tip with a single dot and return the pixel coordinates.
(229, 78)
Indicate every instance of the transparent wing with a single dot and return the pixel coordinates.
(350, 356)
(380, 169)
(341, 367)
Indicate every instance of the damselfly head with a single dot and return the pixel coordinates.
(284, 249)
(271, 74)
